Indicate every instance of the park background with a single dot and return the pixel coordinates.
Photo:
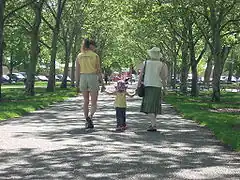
(199, 41)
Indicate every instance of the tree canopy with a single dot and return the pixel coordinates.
(192, 35)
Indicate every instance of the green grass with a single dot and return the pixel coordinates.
(37, 84)
(15, 103)
(225, 125)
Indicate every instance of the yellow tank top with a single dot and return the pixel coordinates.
(120, 100)
(88, 62)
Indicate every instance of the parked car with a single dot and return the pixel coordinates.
(5, 79)
(238, 79)
(234, 79)
(57, 78)
(24, 74)
(16, 77)
(60, 76)
(42, 78)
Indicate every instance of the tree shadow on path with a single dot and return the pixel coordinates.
(53, 144)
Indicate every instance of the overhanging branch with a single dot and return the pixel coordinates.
(203, 33)
(17, 9)
(47, 46)
(51, 10)
(202, 53)
(230, 33)
(48, 24)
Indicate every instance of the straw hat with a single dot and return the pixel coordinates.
(154, 53)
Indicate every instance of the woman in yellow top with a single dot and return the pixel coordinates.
(120, 104)
(88, 75)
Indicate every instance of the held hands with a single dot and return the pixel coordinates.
(78, 90)
(103, 88)
(132, 95)
(164, 92)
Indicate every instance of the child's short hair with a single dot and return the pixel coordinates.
(121, 86)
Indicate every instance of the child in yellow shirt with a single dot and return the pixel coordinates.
(120, 104)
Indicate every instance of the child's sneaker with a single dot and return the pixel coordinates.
(119, 129)
(124, 127)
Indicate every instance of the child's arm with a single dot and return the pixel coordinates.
(110, 93)
(130, 95)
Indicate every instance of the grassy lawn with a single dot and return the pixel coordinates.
(37, 84)
(223, 118)
(15, 103)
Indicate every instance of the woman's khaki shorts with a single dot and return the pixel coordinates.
(89, 82)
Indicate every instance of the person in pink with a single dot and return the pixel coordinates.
(120, 104)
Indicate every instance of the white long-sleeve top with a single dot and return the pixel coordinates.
(155, 74)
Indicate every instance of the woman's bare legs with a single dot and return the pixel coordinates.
(94, 98)
(86, 103)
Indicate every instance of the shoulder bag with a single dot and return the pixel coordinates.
(140, 89)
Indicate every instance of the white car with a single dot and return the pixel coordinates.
(60, 76)
(42, 78)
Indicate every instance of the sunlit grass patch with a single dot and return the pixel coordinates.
(15, 103)
(224, 124)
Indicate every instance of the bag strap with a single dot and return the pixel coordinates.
(144, 68)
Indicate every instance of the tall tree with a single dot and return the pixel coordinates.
(37, 7)
(3, 18)
(222, 18)
(71, 29)
(57, 16)
(2, 7)
(208, 71)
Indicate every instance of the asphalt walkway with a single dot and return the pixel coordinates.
(53, 144)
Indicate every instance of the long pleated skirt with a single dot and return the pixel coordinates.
(151, 102)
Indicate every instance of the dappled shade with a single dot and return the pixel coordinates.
(53, 144)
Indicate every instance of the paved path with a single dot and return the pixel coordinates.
(52, 144)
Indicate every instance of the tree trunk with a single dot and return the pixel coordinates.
(184, 69)
(194, 90)
(193, 61)
(74, 56)
(68, 41)
(174, 81)
(171, 73)
(66, 67)
(51, 77)
(34, 49)
(2, 7)
(185, 59)
(216, 71)
(174, 57)
(10, 67)
(224, 54)
(230, 72)
(216, 52)
(208, 71)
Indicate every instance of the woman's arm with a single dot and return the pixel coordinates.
(99, 72)
(164, 75)
(110, 93)
(140, 76)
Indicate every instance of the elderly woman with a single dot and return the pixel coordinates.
(88, 75)
(155, 78)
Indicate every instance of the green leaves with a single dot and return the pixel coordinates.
(124, 30)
